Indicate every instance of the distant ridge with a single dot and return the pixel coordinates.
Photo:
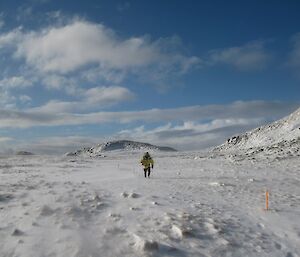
(23, 153)
(120, 145)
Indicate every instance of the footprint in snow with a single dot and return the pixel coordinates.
(124, 194)
(17, 232)
(115, 216)
(134, 195)
(130, 195)
(115, 230)
(6, 197)
(134, 208)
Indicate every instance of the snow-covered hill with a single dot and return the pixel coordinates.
(120, 145)
(279, 139)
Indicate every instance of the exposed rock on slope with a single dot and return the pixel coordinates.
(280, 139)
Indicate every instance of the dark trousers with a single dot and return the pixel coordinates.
(145, 171)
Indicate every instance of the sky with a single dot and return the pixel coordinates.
(186, 74)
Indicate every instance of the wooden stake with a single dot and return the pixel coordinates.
(267, 200)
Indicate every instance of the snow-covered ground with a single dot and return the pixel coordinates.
(195, 204)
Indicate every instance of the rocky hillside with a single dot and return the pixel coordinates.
(279, 139)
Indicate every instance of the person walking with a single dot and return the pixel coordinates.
(148, 163)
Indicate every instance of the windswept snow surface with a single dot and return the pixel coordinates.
(193, 205)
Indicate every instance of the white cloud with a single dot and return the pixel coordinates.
(99, 97)
(56, 82)
(93, 51)
(11, 38)
(107, 95)
(70, 85)
(7, 100)
(251, 56)
(66, 55)
(15, 82)
(97, 74)
(70, 47)
(25, 98)
(5, 139)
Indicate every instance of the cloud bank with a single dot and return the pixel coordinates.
(46, 116)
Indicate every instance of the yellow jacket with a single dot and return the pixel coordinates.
(147, 162)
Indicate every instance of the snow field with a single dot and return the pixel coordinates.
(85, 207)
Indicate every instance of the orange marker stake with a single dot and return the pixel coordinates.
(267, 200)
